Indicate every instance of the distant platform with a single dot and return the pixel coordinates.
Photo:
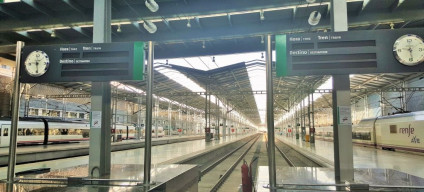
(27, 154)
(310, 178)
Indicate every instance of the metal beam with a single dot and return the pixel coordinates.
(365, 4)
(138, 27)
(168, 25)
(199, 24)
(230, 22)
(82, 32)
(29, 36)
(74, 5)
(397, 4)
(40, 8)
(9, 12)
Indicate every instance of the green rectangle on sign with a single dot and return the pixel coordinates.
(281, 55)
(138, 67)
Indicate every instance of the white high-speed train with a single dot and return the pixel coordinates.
(33, 131)
(403, 132)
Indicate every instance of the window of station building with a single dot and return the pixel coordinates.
(393, 129)
(81, 115)
(45, 112)
(72, 115)
(33, 112)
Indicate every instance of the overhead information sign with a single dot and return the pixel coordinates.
(82, 62)
(355, 52)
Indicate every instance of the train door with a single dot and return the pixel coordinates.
(4, 135)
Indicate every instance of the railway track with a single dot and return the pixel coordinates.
(293, 157)
(221, 171)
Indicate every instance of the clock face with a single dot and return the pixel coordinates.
(409, 50)
(37, 63)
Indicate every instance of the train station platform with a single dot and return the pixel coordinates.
(160, 153)
(322, 179)
(363, 157)
(27, 154)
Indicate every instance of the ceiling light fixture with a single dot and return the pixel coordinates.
(310, 1)
(262, 40)
(261, 14)
(152, 5)
(314, 18)
(119, 28)
(392, 26)
(203, 45)
(188, 23)
(262, 56)
(150, 26)
(53, 34)
(213, 59)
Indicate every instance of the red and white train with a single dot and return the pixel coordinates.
(403, 132)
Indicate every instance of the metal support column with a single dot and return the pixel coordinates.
(217, 118)
(270, 115)
(15, 118)
(342, 129)
(309, 116)
(100, 131)
(156, 116)
(303, 118)
(312, 132)
(149, 106)
(169, 118)
(382, 105)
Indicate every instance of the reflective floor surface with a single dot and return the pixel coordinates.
(122, 178)
(160, 154)
(367, 157)
(376, 178)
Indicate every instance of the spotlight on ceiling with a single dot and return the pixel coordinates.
(203, 45)
(119, 28)
(188, 23)
(53, 34)
(262, 40)
(213, 59)
(261, 15)
(310, 1)
(314, 18)
(152, 5)
(150, 26)
(262, 56)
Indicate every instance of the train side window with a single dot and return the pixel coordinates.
(5, 131)
(393, 129)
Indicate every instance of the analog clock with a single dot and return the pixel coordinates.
(409, 50)
(37, 63)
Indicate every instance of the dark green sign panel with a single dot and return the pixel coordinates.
(353, 52)
(82, 62)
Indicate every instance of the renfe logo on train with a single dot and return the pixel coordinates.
(410, 131)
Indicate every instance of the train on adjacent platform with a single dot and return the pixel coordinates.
(399, 132)
(32, 131)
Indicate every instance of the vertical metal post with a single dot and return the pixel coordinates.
(382, 105)
(149, 106)
(270, 115)
(169, 118)
(13, 131)
(405, 105)
(303, 118)
(217, 118)
(312, 139)
(156, 116)
(99, 151)
(309, 115)
(343, 151)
